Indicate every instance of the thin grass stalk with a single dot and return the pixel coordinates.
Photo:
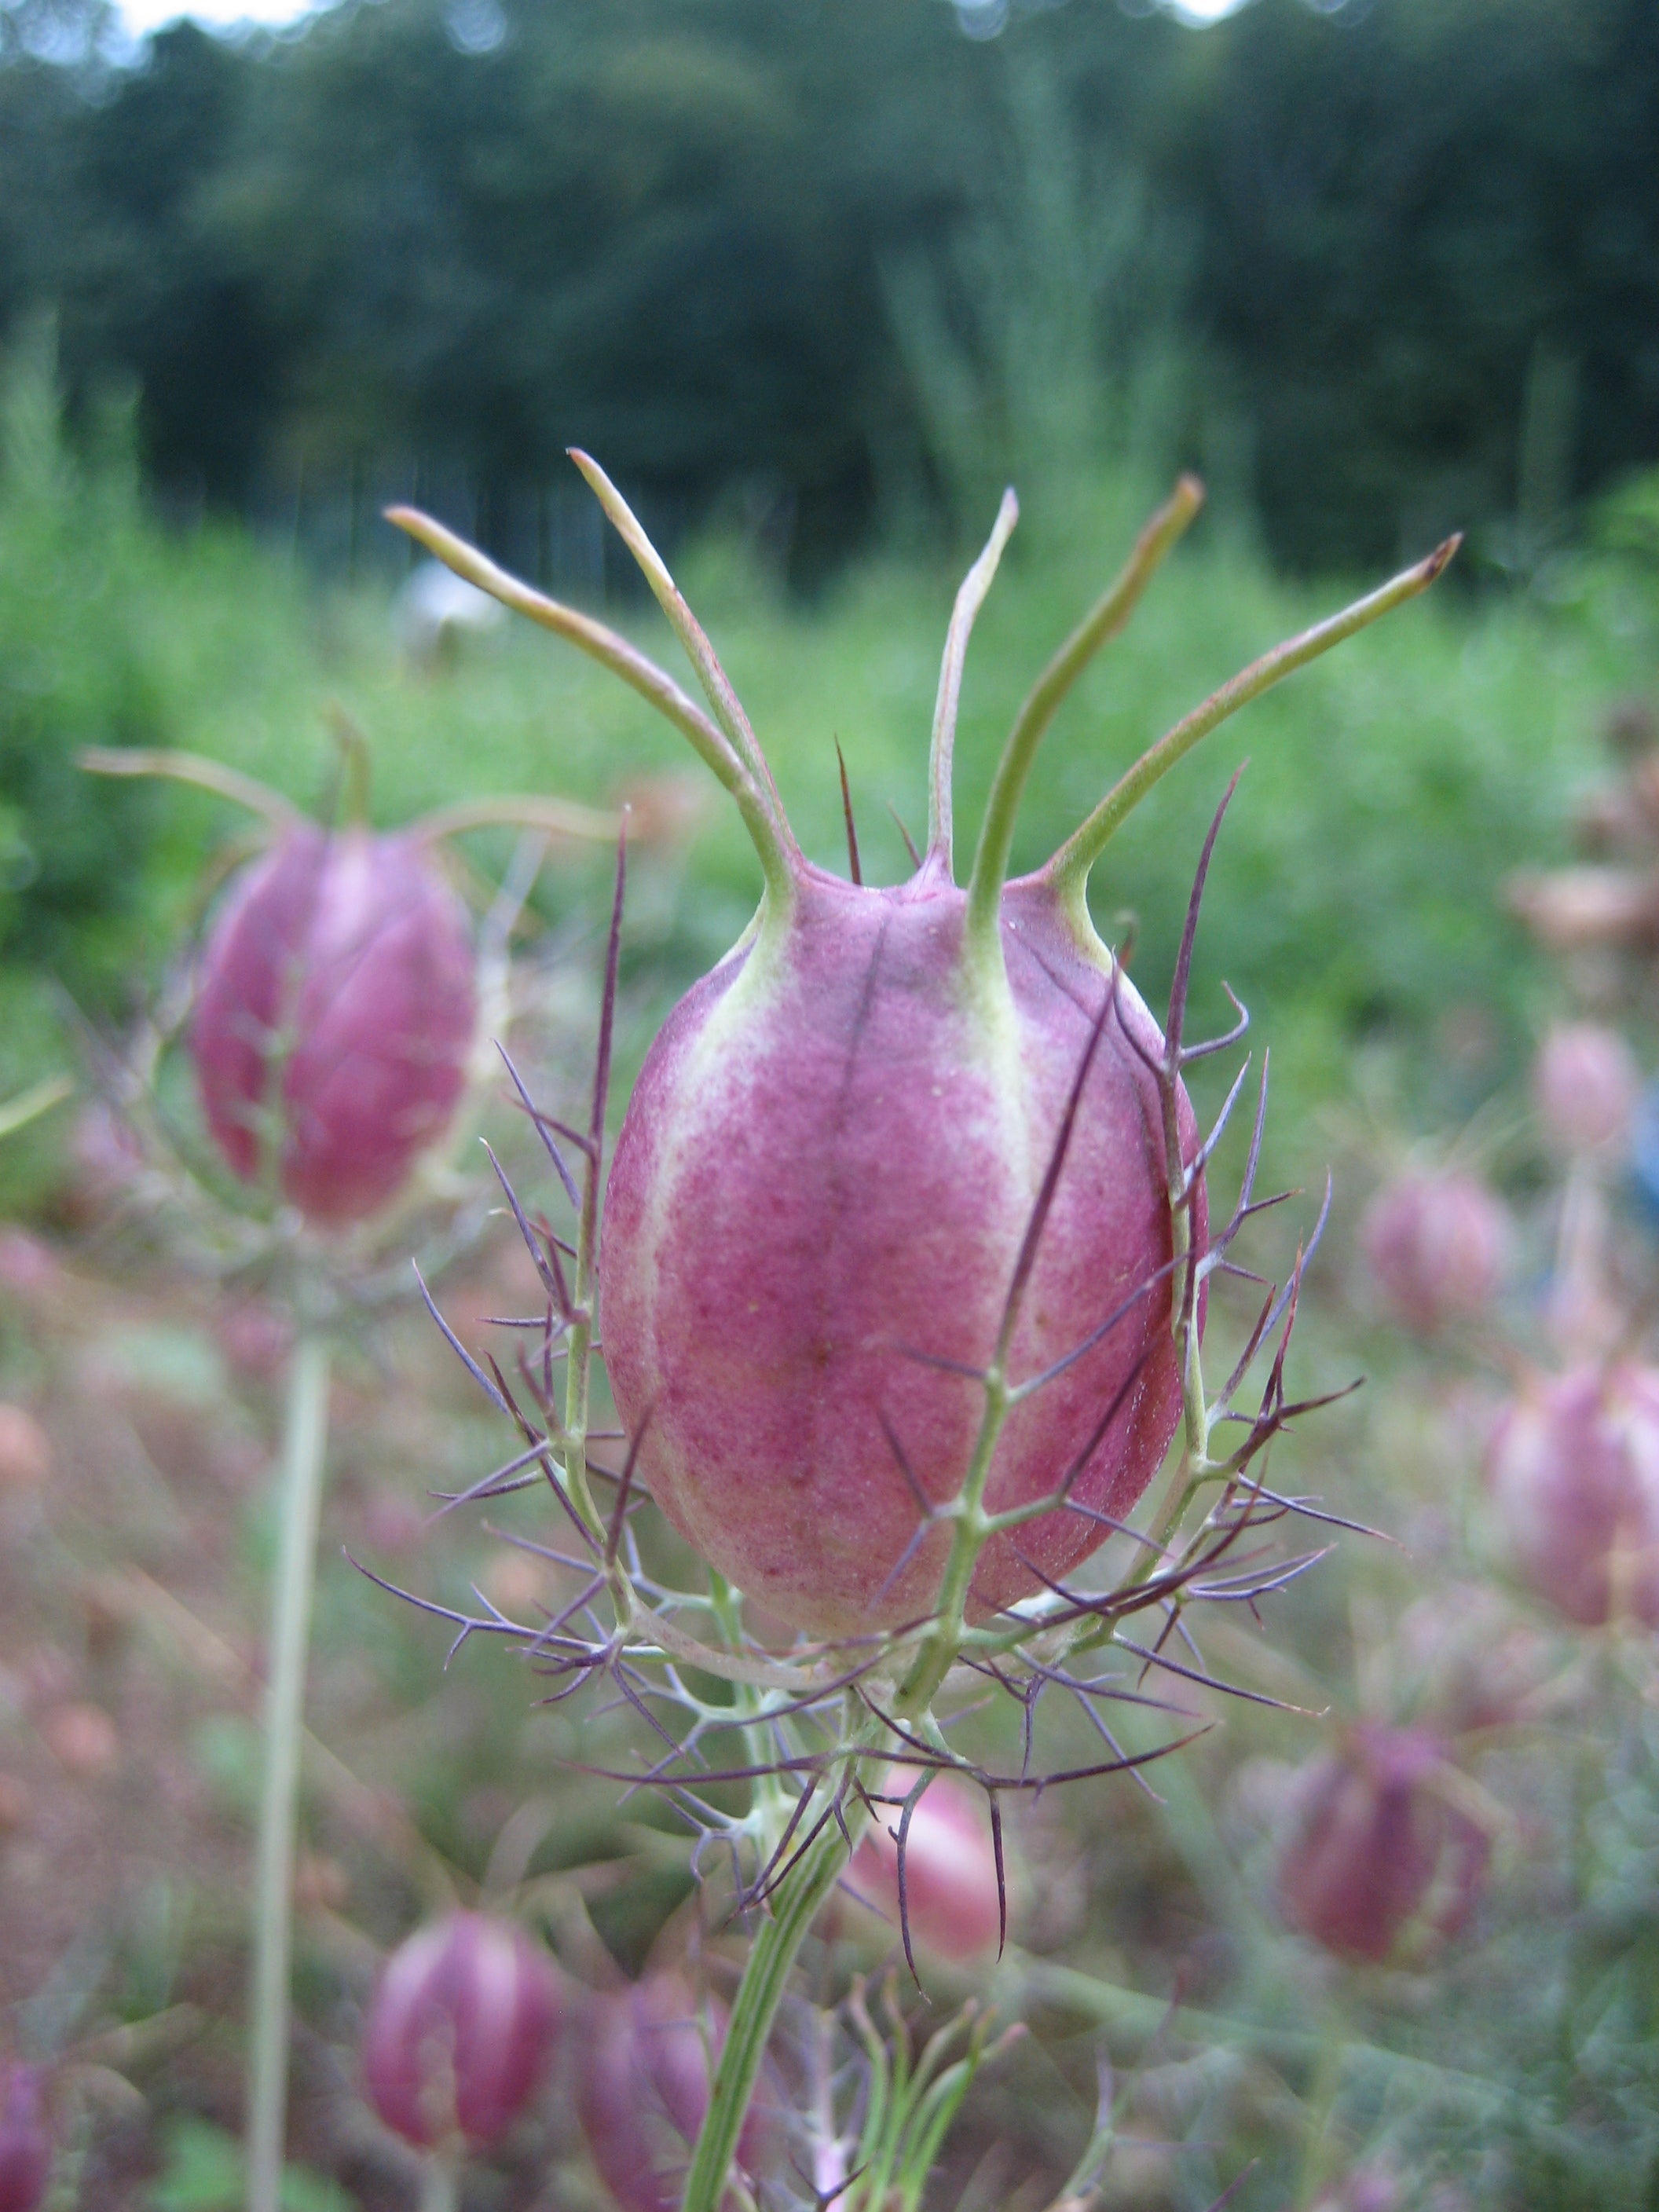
(305, 1443)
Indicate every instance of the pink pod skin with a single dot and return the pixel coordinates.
(26, 2148)
(1573, 1471)
(1378, 1850)
(1584, 1085)
(1435, 1245)
(828, 1167)
(337, 1003)
(951, 1897)
(643, 2090)
(459, 2031)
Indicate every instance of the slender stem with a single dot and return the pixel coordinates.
(970, 599)
(565, 817)
(1068, 870)
(1103, 621)
(304, 1450)
(715, 685)
(441, 2182)
(190, 768)
(943, 1640)
(29, 1105)
(795, 1905)
(635, 669)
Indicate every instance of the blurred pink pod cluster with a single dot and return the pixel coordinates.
(26, 2149)
(1378, 1851)
(952, 1900)
(335, 1017)
(648, 2056)
(1584, 1085)
(1434, 1244)
(1573, 1473)
(459, 2031)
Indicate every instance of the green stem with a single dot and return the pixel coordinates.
(970, 599)
(1103, 622)
(1068, 870)
(190, 768)
(795, 1905)
(715, 685)
(563, 817)
(636, 670)
(304, 1452)
(441, 2182)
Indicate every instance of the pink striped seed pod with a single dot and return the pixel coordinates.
(1584, 1085)
(26, 2146)
(648, 2054)
(335, 1018)
(1378, 1851)
(459, 2031)
(828, 1166)
(1573, 1473)
(951, 1902)
(1434, 1244)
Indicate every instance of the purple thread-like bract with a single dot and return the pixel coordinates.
(462, 2023)
(336, 1010)
(828, 1166)
(953, 1900)
(1378, 1848)
(24, 2141)
(1573, 1468)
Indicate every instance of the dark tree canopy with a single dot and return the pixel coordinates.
(1408, 252)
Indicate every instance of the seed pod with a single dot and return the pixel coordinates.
(460, 2029)
(26, 2148)
(1435, 1245)
(335, 1017)
(643, 2090)
(1573, 1470)
(951, 1902)
(828, 1165)
(1377, 1849)
(837, 1157)
(1584, 1085)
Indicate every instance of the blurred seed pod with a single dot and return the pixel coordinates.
(1584, 1085)
(1466, 1660)
(26, 2146)
(646, 2058)
(335, 1019)
(1573, 1471)
(25, 1450)
(28, 1268)
(459, 2031)
(81, 1738)
(1378, 1851)
(952, 1901)
(1434, 1244)
(1363, 2189)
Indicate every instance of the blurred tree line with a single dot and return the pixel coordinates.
(1377, 268)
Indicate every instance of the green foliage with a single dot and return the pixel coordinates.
(204, 2172)
(72, 673)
